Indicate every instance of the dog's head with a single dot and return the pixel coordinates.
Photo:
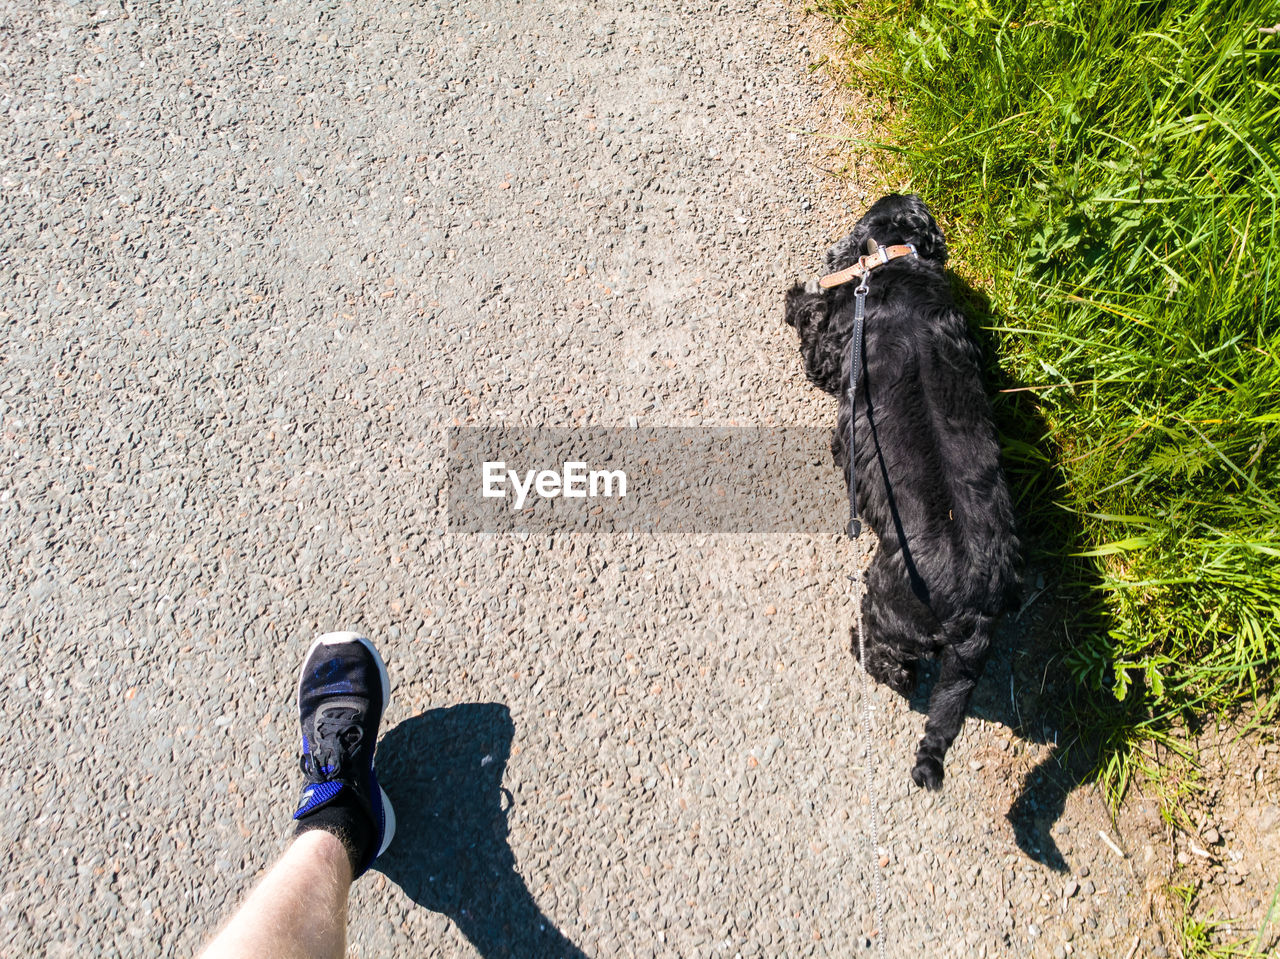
(896, 218)
(814, 312)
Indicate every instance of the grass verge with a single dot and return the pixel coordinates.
(1107, 170)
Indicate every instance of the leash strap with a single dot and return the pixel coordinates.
(879, 256)
(855, 528)
(855, 373)
(862, 270)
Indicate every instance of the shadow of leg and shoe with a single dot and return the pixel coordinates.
(443, 772)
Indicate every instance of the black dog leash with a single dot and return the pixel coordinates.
(878, 256)
(855, 372)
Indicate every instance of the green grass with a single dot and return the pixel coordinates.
(1108, 173)
(1204, 938)
(1108, 176)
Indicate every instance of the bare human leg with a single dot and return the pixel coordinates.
(298, 910)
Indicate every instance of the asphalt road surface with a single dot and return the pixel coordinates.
(255, 258)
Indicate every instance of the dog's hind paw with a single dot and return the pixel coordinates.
(927, 772)
(900, 678)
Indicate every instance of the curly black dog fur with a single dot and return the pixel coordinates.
(928, 465)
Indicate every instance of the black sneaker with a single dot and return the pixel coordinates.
(342, 692)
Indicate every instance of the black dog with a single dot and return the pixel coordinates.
(927, 461)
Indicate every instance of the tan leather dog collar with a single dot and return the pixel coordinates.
(866, 264)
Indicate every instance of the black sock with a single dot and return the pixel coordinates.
(347, 818)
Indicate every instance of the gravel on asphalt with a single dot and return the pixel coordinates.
(254, 259)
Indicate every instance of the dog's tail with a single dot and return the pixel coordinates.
(808, 310)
